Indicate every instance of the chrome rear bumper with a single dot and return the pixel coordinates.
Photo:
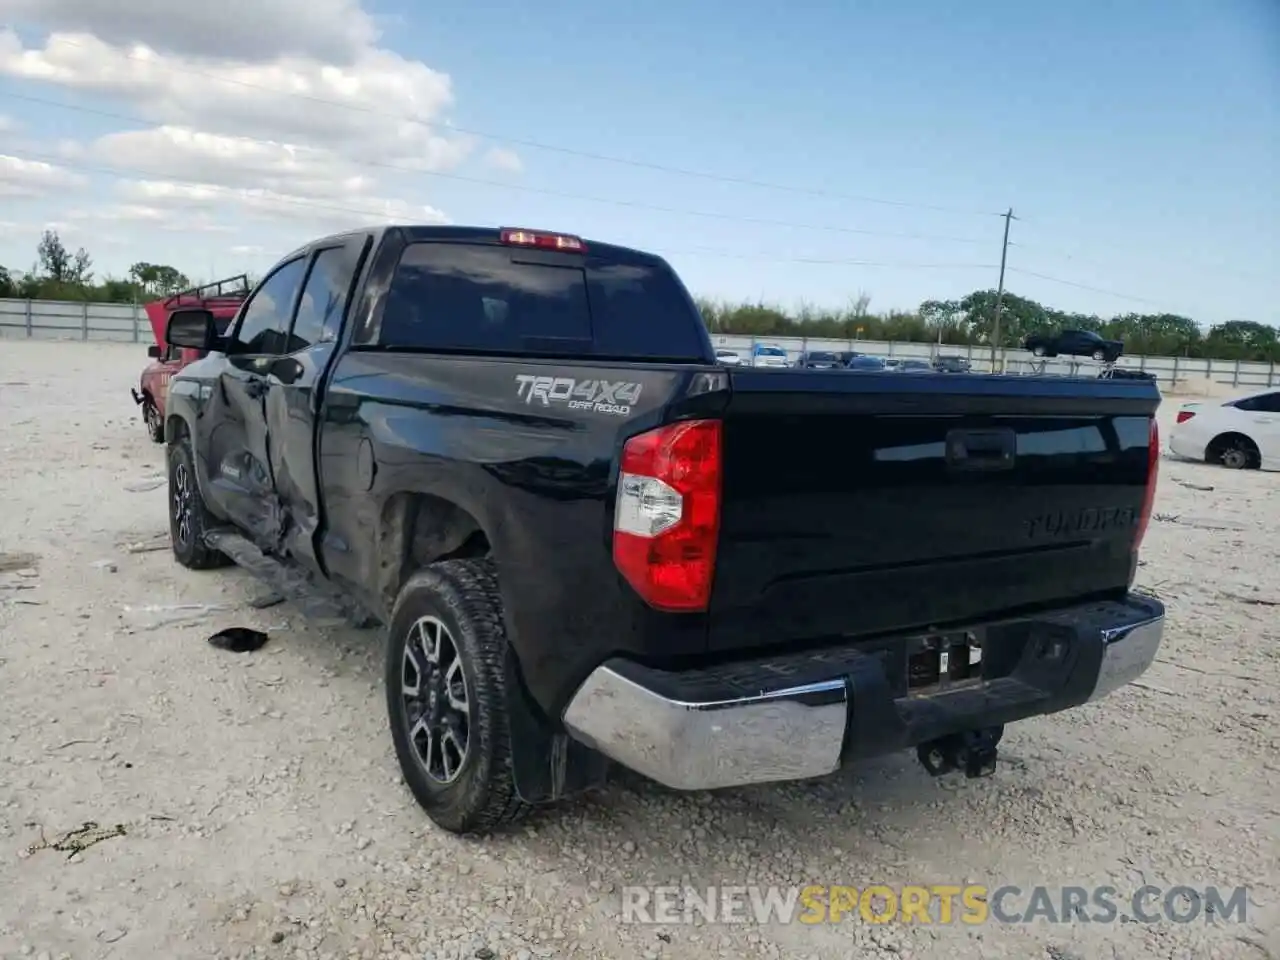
(689, 735)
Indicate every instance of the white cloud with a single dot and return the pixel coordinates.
(261, 110)
(32, 178)
(501, 158)
(359, 109)
(255, 204)
(7, 124)
(334, 30)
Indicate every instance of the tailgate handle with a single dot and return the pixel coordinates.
(981, 449)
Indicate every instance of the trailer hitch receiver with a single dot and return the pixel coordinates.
(973, 751)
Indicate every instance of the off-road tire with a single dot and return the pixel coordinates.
(191, 552)
(463, 596)
(152, 421)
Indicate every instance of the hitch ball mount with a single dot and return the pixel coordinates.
(973, 751)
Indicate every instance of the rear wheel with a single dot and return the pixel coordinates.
(155, 424)
(1099, 355)
(446, 697)
(189, 518)
(1037, 351)
(1234, 451)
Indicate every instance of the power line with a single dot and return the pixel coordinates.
(272, 198)
(561, 194)
(551, 148)
(825, 261)
(1065, 255)
(1085, 286)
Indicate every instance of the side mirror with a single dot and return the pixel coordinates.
(192, 328)
(153, 352)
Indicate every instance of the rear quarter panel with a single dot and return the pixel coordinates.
(519, 445)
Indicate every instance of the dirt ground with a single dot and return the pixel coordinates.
(263, 816)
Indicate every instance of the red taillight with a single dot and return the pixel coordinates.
(667, 519)
(1149, 497)
(1185, 415)
(545, 241)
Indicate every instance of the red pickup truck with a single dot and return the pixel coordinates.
(222, 299)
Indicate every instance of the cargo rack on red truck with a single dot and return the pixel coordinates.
(222, 298)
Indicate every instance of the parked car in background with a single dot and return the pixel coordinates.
(846, 355)
(952, 365)
(818, 360)
(763, 356)
(1074, 343)
(728, 357)
(914, 366)
(869, 364)
(1242, 434)
(222, 299)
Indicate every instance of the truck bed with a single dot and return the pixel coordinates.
(861, 504)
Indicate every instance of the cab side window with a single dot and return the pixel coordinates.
(323, 300)
(264, 326)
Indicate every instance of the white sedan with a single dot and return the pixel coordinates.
(1243, 433)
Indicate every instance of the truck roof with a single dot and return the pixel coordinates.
(472, 234)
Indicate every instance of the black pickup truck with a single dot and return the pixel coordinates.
(589, 542)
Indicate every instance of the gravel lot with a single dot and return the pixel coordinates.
(263, 815)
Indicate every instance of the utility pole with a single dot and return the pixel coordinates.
(1004, 255)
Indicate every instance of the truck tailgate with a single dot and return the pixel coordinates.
(865, 503)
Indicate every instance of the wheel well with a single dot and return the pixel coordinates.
(1230, 438)
(418, 529)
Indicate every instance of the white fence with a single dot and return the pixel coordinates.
(74, 320)
(70, 320)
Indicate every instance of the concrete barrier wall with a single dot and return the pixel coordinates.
(71, 320)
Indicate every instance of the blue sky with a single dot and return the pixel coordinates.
(1138, 143)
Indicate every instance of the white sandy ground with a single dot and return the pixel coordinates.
(265, 817)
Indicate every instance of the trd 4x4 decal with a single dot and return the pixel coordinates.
(614, 397)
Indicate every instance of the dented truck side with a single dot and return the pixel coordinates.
(590, 543)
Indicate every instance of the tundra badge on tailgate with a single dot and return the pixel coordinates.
(600, 396)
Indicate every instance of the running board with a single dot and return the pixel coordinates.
(318, 601)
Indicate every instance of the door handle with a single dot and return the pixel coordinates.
(981, 449)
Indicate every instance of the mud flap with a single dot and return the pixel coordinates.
(547, 764)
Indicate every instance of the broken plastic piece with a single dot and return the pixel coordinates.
(238, 639)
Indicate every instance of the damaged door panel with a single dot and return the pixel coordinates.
(238, 462)
(292, 400)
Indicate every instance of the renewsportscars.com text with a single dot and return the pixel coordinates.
(970, 904)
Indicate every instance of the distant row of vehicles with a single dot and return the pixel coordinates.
(1065, 343)
(762, 355)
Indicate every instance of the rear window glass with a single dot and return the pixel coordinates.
(471, 297)
(642, 310)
